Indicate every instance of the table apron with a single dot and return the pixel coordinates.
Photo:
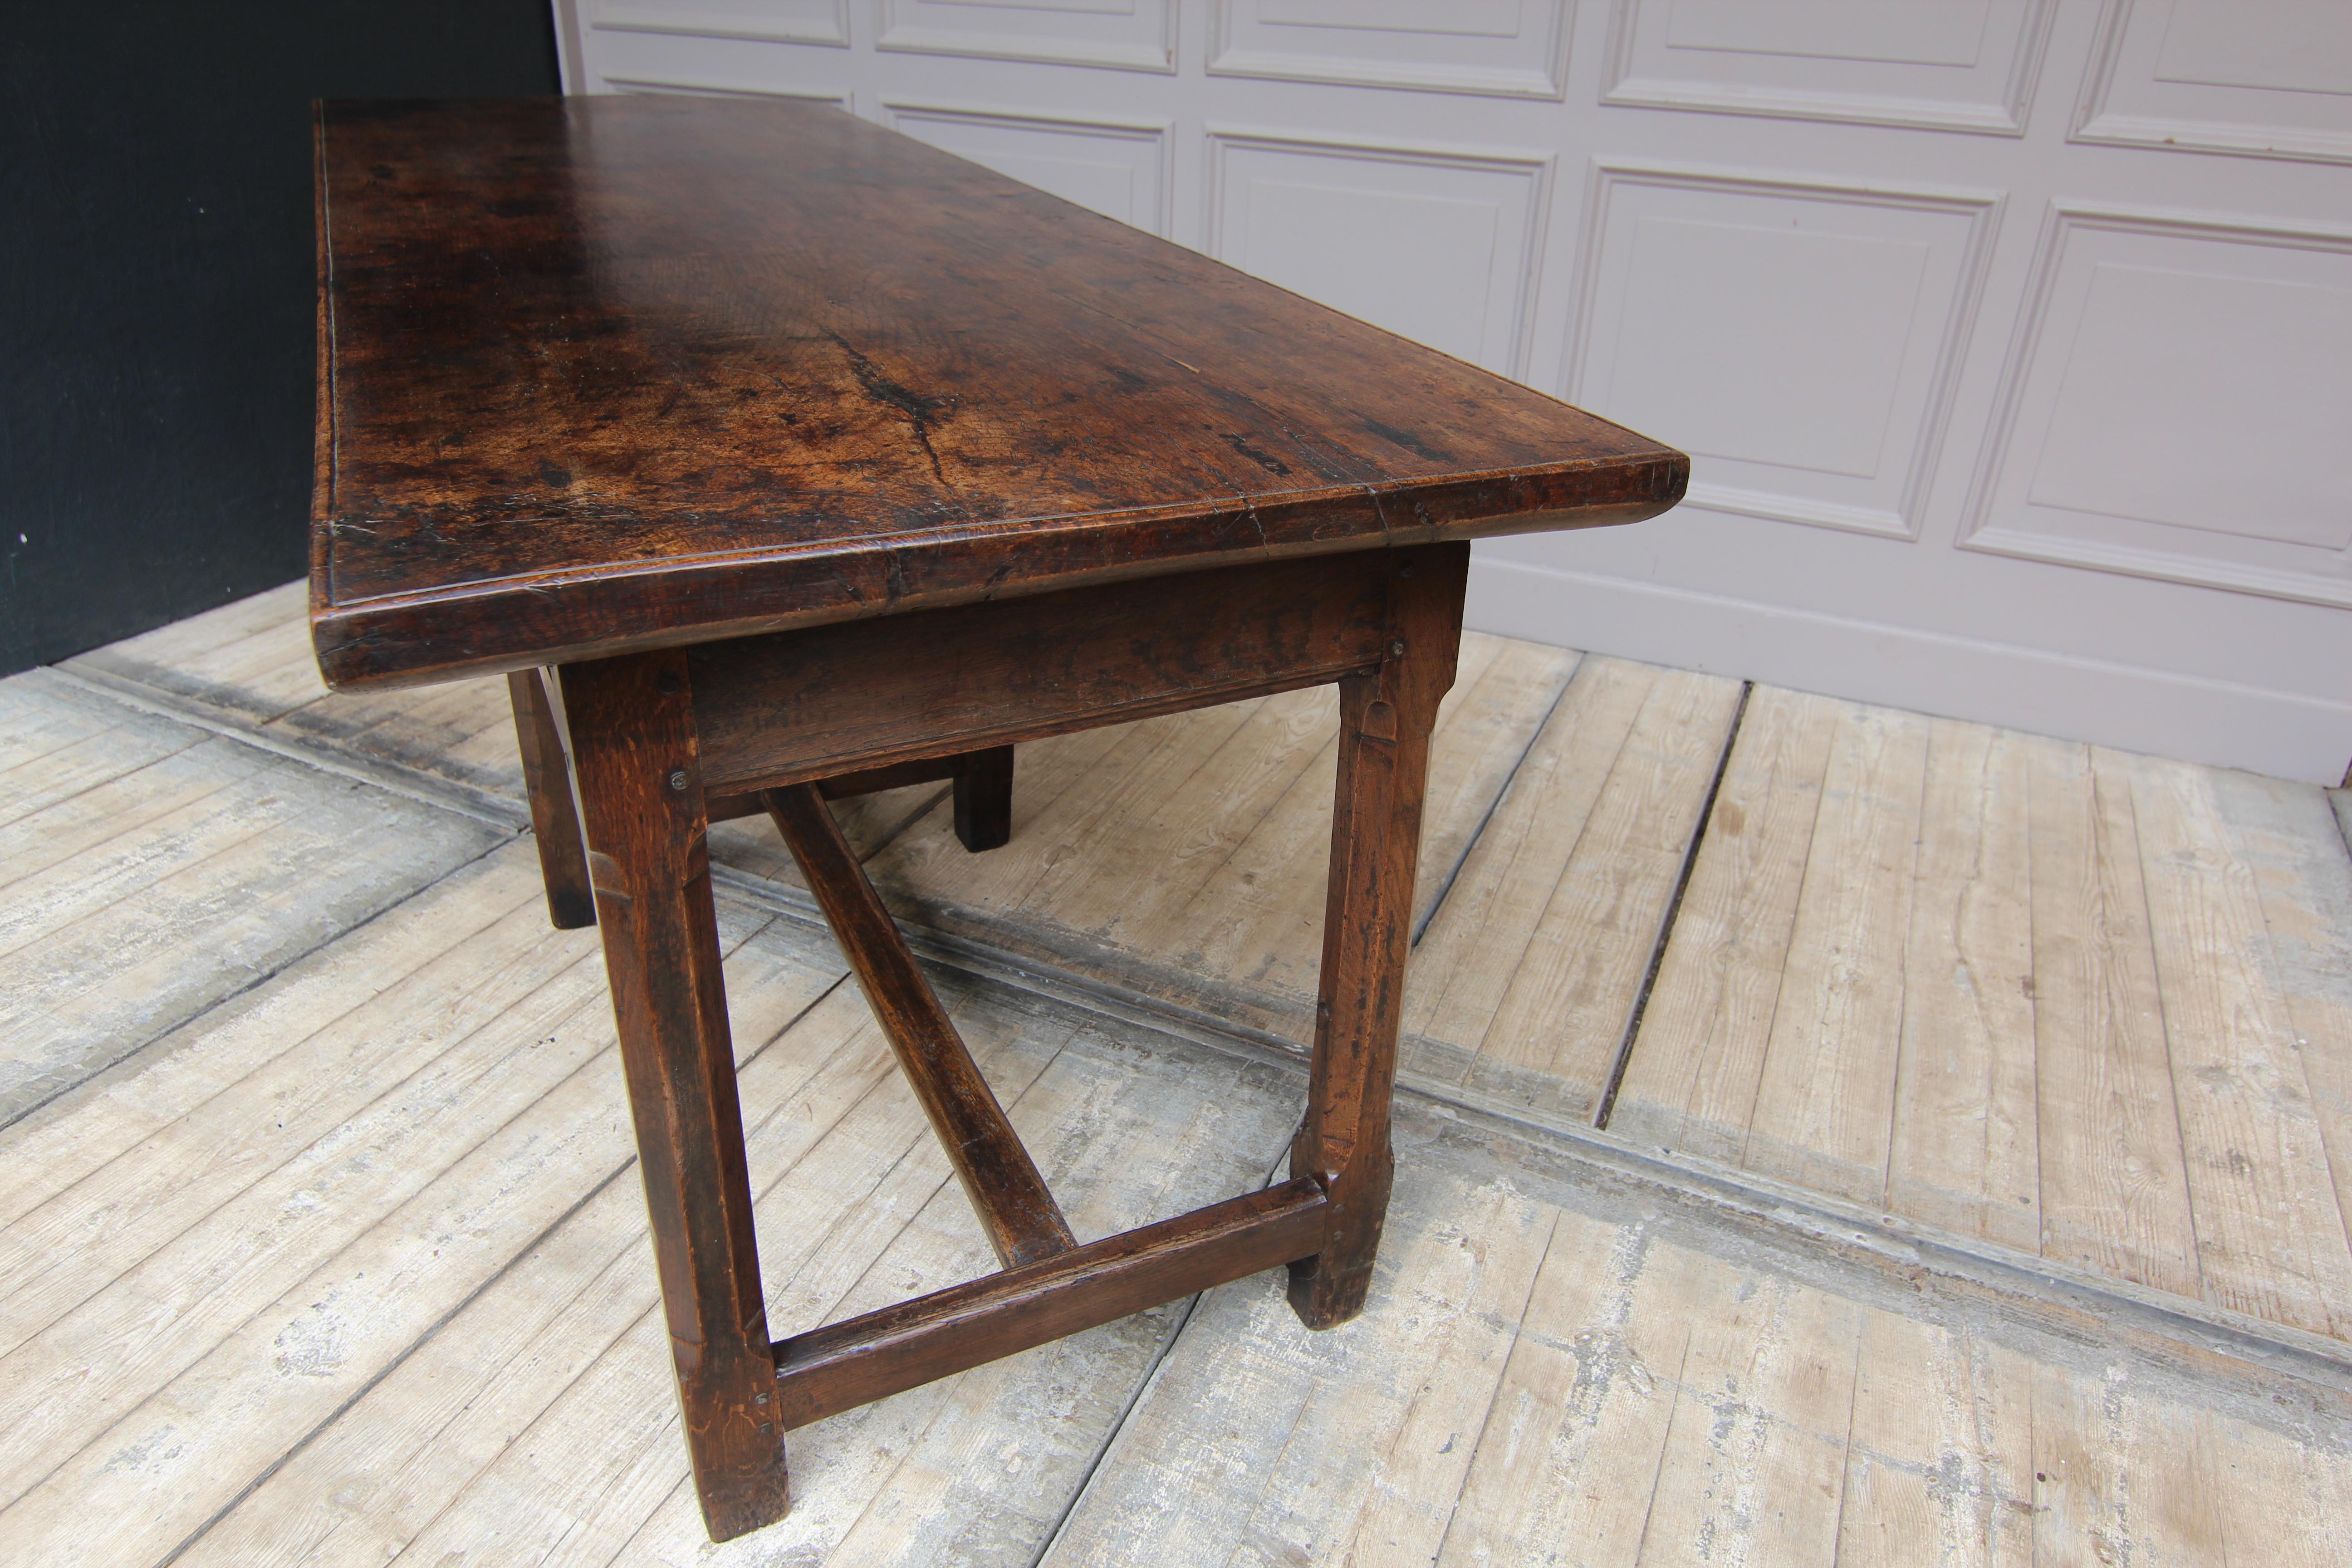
(804, 705)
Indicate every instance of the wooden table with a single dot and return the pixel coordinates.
(814, 461)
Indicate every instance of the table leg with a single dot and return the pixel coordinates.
(634, 745)
(1385, 718)
(554, 817)
(983, 798)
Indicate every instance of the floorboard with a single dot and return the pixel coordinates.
(1965, 1153)
(2113, 1195)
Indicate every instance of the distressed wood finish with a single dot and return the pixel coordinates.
(809, 704)
(721, 366)
(819, 462)
(1385, 718)
(633, 735)
(869, 1357)
(1023, 1222)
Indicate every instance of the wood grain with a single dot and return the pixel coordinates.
(460, 733)
(1923, 1389)
(1272, 1481)
(1208, 896)
(353, 1264)
(521, 1427)
(1471, 951)
(843, 1365)
(251, 657)
(1964, 1154)
(504, 985)
(1915, 966)
(1254, 780)
(554, 806)
(1754, 1465)
(62, 1145)
(297, 1298)
(1385, 720)
(2102, 1478)
(1571, 1442)
(2279, 831)
(632, 726)
(2114, 1194)
(1825, 1097)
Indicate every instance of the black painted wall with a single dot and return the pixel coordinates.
(155, 284)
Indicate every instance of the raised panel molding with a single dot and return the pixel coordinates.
(1801, 337)
(1954, 65)
(1123, 34)
(1120, 168)
(766, 21)
(2134, 432)
(2266, 78)
(840, 97)
(1505, 49)
(1343, 231)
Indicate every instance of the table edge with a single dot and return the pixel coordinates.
(513, 623)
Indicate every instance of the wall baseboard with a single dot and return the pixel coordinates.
(2286, 734)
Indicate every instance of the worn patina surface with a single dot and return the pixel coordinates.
(609, 373)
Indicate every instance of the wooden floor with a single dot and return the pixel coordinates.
(1835, 1135)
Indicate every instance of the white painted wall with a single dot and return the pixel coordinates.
(2011, 339)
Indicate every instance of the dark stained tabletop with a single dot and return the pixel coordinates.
(609, 373)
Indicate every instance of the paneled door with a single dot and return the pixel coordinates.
(2011, 339)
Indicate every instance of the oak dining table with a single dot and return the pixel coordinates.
(773, 457)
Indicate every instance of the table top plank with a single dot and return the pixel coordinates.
(615, 372)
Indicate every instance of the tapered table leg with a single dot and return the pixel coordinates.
(1385, 718)
(633, 736)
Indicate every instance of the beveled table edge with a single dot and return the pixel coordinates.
(518, 622)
